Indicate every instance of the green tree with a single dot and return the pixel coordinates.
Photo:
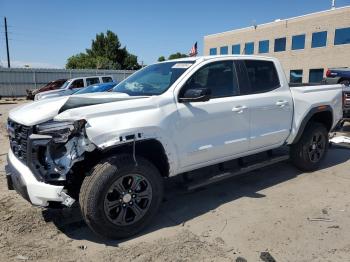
(105, 53)
(130, 62)
(81, 61)
(161, 59)
(177, 55)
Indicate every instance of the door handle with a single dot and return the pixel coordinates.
(282, 103)
(239, 109)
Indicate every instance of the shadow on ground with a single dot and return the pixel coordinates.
(180, 205)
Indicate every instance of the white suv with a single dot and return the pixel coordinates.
(73, 85)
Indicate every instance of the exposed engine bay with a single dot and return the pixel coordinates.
(50, 149)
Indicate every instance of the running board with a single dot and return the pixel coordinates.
(246, 169)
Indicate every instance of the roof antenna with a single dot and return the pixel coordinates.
(333, 4)
(255, 24)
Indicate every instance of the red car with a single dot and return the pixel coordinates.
(49, 86)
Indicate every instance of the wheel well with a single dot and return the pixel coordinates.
(150, 149)
(324, 117)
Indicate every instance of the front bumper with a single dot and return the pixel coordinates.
(21, 178)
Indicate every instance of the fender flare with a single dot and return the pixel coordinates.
(309, 115)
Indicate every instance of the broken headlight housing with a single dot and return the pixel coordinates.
(60, 131)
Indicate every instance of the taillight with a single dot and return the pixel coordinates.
(328, 73)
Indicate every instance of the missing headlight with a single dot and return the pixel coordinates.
(60, 131)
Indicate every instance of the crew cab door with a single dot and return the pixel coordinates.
(211, 131)
(270, 102)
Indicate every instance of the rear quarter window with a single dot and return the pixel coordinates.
(107, 79)
(262, 76)
(92, 81)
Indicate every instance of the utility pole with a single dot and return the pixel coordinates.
(7, 45)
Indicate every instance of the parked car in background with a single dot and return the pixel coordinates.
(338, 76)
(53, 85)
(341, 76)
(73, 85)
(104, 87)
(346, 105)
(112, 151)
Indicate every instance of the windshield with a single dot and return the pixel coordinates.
(65, 84)
(96, 88)
(154, 79)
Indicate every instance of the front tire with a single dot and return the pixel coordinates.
(311, 148)
(119, 198)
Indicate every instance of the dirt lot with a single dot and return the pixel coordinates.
(291, 215)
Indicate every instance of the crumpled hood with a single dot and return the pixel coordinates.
(38, 111)
(43, 110)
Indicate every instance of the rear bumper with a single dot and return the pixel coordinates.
(21, 178)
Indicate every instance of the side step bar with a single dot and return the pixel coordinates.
(246, 169)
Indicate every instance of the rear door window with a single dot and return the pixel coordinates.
(107, 79)
(92, 80)
(262, 76)
(78, 83)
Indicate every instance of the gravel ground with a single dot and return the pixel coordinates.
(274, 213)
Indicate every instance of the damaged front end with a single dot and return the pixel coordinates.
(54, 147)
(41, 157)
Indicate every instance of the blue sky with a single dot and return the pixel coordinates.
(46, 33)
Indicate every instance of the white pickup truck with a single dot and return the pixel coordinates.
(112, 151)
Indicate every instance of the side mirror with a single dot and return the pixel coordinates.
(195, 95)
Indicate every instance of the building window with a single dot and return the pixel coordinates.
(223, 50)
(280, 44)
(249, 48)
(342, 36)
(316, 75)
(298, 42)
(213, 51)
(296, 76)
(264, 46)
(319, 39)
(236, 49)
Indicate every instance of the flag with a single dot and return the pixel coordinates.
(194, 50)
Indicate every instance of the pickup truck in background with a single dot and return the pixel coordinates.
(73, 85)
(112, 151)
(341, 76)
(338, 76)
(346, 105)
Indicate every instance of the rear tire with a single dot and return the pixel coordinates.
(311, 148)
(119, 198)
